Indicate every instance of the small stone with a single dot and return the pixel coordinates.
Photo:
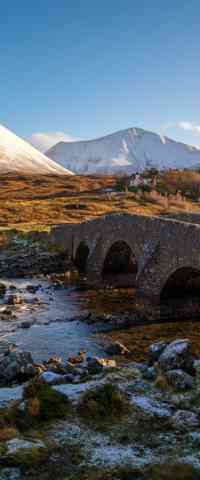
(32, 288)
(26, 324)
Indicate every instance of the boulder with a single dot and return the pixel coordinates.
(185, 420)
(155, 351)
(16, 366)
(117, 348)
(179, 379)
(177, 355)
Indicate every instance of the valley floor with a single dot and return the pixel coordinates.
(38, 202)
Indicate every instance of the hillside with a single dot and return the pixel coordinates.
(126, 151)
(18, 156)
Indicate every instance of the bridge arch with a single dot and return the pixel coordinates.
(181, 282)
(119, 266)
(81, 256)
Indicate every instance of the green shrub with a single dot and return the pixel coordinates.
(105, 402)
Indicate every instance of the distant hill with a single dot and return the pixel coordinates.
(17, 156)
(126, 151)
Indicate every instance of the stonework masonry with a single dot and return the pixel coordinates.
(161, 246)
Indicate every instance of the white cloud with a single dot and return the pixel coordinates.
(188, 126)
(44, 140)
(184, 125)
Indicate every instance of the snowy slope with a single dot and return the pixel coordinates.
(128, 151)
(18, 156)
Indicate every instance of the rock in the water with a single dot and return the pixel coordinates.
(177, 355)
(179, 379)
(77, 358)
(14, 299)
(2, 290)
(117, 348)
(185, 420)
(155, 351)
(32, 288)
(6, 347)
(96, 365)
(16, 366)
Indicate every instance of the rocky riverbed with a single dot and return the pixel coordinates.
(79, 400)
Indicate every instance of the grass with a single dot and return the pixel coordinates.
(104, 403)
(38, 202)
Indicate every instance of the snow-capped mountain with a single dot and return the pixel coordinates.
(17, 156)
(127, 151)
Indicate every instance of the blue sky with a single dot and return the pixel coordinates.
(88, 68)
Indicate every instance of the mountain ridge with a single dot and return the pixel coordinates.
(128, 150)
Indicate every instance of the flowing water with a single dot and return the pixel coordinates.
(54, 317)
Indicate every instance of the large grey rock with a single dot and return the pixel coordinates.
(15, 366)
(179, 379)
(185, 420)
(155, 351)
(177, 355)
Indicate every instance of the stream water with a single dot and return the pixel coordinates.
(49, 320)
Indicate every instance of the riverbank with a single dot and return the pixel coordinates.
(137, 420)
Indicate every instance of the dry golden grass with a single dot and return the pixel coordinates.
(39, 202)
(7, 433)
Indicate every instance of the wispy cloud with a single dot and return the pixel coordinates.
(184, 125)
(44, 140)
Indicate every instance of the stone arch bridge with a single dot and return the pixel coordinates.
(162, 249)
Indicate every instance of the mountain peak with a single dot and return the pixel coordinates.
(125, 151)
(18, 156)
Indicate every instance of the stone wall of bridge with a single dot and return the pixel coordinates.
(160, 246)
